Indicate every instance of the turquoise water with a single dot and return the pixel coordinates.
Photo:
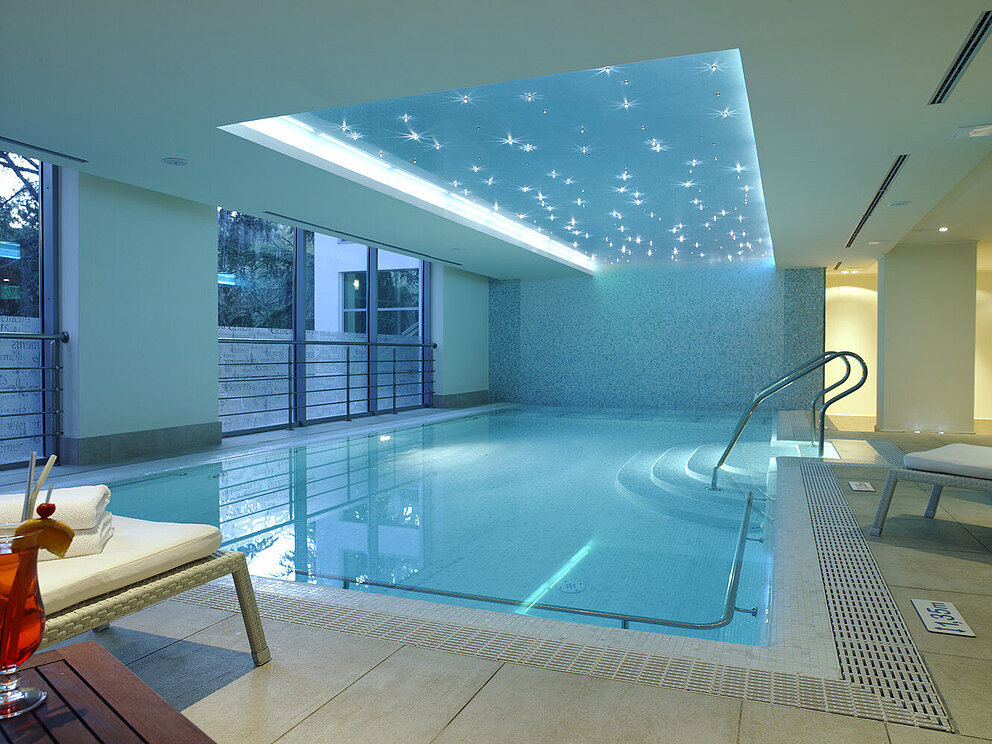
(523, 506)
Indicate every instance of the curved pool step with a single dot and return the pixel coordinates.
(680, 497)
(748, 462)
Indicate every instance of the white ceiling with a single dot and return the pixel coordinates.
(837, 90)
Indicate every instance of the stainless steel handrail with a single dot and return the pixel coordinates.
(844, 394)
(729, 603)
(799, 372)
(820, 395)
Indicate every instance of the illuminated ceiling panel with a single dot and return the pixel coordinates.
(653, 161)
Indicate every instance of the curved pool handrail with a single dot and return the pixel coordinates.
(820, 395)
(802, 370)
(844, 394)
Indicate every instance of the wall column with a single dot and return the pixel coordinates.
(460, 320)
(926, 338)
(139, 300)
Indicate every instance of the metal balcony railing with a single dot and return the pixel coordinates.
(275, 383)
(30, 395)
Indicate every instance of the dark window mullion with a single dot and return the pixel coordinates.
(300, 289)
(372, 328)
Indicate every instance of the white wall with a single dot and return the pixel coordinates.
(460, 328)
(852, 325)
(983, 340)
(926, 334)
(139, 300)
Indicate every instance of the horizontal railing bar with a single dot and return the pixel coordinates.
(32, 436)
(63, 337)
(25, 392)
(320, 343)
(30, 413)
(27, 369)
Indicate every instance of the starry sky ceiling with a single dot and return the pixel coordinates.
(641, 162)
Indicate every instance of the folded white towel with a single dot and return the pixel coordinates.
(86, 542)
(79, 507)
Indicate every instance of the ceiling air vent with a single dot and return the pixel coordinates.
(964, 57)
(886, 182)
(358, 238)
(45, 150)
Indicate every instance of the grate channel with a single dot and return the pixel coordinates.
(874, 646)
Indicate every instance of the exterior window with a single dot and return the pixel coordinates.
(20, 212)
(254, 272)
(314, 327)
(398, 296)
(29, 413)
(353, 309)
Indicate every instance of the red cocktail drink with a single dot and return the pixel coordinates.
(22, 620)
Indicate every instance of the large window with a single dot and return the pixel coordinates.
(28, 405)
(254, 272)
(20, 231)
(304, 344)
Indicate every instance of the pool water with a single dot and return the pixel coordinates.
(521, 510)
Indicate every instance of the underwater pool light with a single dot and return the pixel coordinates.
(534, 597)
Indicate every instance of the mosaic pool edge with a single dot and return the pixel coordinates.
(883, 674)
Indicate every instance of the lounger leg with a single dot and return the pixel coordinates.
(883, 504)
(249, 613)
(932, 503)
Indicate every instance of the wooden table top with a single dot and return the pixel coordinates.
(93, 698)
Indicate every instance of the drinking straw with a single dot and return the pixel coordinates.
(48, 496)
(27, 491)
(41, 481)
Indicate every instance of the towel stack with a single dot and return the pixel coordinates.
(83, 508)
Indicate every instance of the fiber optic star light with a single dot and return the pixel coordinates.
(667, 141)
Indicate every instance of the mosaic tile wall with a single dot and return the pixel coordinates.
(675, 337)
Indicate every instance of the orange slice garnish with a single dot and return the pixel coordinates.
(50, 534)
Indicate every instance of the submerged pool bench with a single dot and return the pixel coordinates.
(955, 465)
(142, 564)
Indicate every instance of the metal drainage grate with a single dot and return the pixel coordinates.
(874, 647)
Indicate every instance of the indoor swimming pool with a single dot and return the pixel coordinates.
(596, 517)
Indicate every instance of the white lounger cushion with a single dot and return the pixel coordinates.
(138, 550)
(968, 460)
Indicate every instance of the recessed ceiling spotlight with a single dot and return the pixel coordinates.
(943, 229)
(175, 161)
(897, 204)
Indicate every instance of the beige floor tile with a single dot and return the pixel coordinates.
(908, 735)
(409, 697)
(964, 684)
(246, 704)
(976, 610)
(762, 723)
(522, 704)
(152, 629)
(928, 568)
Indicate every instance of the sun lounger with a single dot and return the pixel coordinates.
(142, 564)
(956, 465)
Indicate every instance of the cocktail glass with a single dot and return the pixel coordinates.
(22, 619)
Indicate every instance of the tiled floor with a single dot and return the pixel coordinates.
(323, 685)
